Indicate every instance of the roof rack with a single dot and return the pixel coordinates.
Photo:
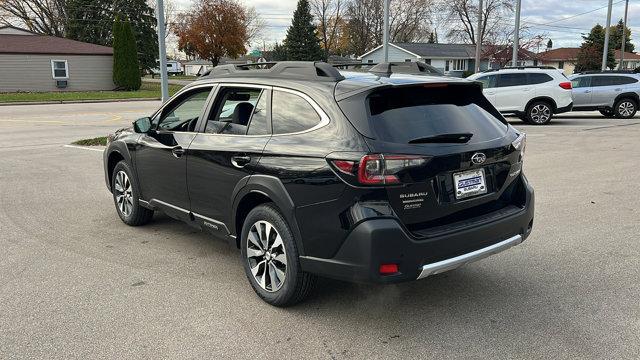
(543, 67)
(298, 70)
(404, 67)
(353, 64)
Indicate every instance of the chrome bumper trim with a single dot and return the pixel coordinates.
(456, 262)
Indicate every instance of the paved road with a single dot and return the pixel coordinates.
(77, 283)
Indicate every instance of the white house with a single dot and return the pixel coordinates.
(452, 59)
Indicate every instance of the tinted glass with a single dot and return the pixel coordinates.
(402, 115)
(611, 80)
(234, 107)
(184, 115)
(581, 82)
(539, 78)
(290, 113)
(488, 81)
(258, 124)
(505, 80)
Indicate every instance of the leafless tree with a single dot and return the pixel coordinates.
(462, 16)
(170, 15)
(41, 16)
(328, 13)
(409, 21)
(255, 25)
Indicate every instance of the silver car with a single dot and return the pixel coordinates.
(612, 93)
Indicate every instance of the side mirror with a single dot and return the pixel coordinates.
(142, 125)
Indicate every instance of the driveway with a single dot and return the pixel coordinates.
(75, 282)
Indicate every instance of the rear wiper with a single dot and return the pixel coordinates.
(458, 138)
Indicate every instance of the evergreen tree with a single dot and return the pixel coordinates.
(126, 68)
(615, 37)
(590, 55)
(550, 44)
(279, 53)
(90, 21)
(301, 42)
(432, 38)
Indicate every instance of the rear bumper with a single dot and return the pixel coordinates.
(564, 109)
(385, 241)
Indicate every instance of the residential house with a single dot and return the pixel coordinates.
(561, 58)
(631, 60)
(452, 59)
(32, 62)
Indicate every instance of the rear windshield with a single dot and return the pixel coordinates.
(403, 115)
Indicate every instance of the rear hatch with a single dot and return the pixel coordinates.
(449, 156)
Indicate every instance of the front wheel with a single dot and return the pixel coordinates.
(270, 258)
(539, 113)
(625, 108)
(125, 196)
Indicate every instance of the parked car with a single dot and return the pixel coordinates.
(316, 172)
(534, 94)
(612, 93)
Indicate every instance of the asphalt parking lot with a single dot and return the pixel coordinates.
(75, 282)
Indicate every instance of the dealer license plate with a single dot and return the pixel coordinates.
(469, 183)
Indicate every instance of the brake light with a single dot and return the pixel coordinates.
(566, 85)
(520, 144)
(388, 269)
(378, 169)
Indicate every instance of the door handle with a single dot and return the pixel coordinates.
(240, 161)
(618, 89)
(587, 91)
(177, 151)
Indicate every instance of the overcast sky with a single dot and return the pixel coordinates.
(542, 16)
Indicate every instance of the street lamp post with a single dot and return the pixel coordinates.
(605, 50)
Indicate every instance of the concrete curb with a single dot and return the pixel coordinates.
(53, 102)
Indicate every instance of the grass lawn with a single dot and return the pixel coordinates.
(147, 91)
(102, 140)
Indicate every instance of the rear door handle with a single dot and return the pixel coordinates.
(618, 89)
(177, 151)
(587, 91)
(240, 161)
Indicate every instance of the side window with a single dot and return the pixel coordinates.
(59, 69)
(623, 80)
(184, 115)
(505, 80)
(488, 81)
(602, 81)
(539, 78)
(233, 110)
(291, 113)
(581, 82)
(258, 125)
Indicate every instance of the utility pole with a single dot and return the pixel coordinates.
(385, 33)
(605, 51)
(164, 83)
(479, 37)
(624, 33)
(516, 36)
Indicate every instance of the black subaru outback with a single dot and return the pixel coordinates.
(315, 172)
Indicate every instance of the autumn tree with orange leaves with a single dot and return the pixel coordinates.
(215, 29)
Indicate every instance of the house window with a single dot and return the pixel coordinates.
(407, 60)
(446, 66)
(459, 65)
(560, 64)
(59, 69)
(370, 61)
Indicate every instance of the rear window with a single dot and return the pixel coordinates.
(400, 115)
(539, 78)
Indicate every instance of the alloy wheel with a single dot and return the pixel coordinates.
(540, 113)
(266, 256)
(626, 108)
(123, 193)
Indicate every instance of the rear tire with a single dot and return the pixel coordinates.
(625, 108)
(125, 196)
(270, 258)
(539, 113)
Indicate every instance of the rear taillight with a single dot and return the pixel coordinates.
(566, 85)
(378, 169)
(520, 144)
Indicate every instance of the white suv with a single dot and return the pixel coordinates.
(532, 93)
